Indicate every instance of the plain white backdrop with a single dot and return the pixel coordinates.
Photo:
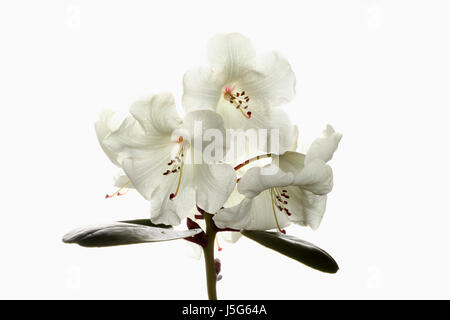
(378, 71)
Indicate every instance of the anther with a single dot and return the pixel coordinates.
(117, 193)
(218, 245)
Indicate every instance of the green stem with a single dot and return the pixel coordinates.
(208, 253)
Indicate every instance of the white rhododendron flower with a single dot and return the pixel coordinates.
(155, 148)
(242, 87)
(296, 192)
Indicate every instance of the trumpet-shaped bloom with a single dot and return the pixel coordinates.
(293, 188)
(108, 123)
(156, 149)
(242, 87)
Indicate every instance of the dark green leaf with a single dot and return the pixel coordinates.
(294, 248)
(147, 222)
(119, 233)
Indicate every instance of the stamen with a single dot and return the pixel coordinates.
(278, 202)
(173, 195)
(117, 193)
(175, 166)
(239, 100)
(122, 194)
(218, 245)
(275, 214)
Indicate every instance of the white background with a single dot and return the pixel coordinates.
(378, 71)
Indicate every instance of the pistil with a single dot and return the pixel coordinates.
(246, 162)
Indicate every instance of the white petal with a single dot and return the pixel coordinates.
(144, 142)
(156, 114)
(291, 162)
(232, 54)
(202, 89)
(251, 214)
(275, 123)
(131, 139)
(323, 148)
(200, 124)
(258, 179)
(234, 199)
(215, 183)
(230, 236)
(314, 208)
(121, 179)
(108, 122)
(281, 133)
(295, 139)
(316, 177)
(306, 208)
(273, 79)
(171, 211)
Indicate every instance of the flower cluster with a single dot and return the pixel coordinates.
(181, 163)
(229, 163)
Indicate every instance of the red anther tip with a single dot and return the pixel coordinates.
(180, 139)
(228, 89)
(249, 114)
(107, 196)
(171, 196)
(283, 231)
(220, 249)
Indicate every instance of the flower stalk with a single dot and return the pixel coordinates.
(208, 253)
